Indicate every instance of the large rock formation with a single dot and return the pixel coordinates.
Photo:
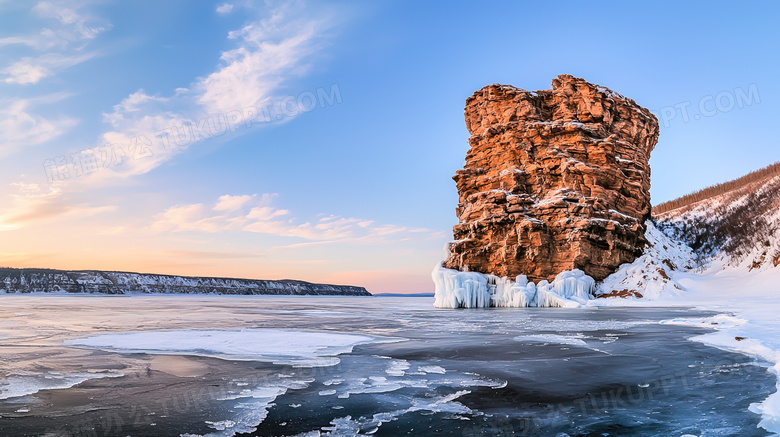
(555, 180)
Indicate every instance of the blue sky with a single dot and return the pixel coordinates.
(353, 184)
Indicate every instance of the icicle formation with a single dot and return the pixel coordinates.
(456, 289)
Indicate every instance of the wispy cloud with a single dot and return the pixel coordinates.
(267, 53)
(228, 213)
(78, 24)
(63, 43)
(137, 118)
(72, 26)
(19, 127)
(30, 70)
(230, 203)
(257, 214)
(224, 8)
(33, 203)
(57, 46)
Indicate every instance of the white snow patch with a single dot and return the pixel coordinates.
(610, 93)
(347, 426)
(397, 367)
(572, 340)
(432, 369)
(279, 346)
(253, 408)
(22, 383)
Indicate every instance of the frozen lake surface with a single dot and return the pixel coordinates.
(385, 366)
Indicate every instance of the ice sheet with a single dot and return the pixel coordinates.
(572, 340)
(279, 346)
(27, 383)
(749, 323)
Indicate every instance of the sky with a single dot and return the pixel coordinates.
(317, 140)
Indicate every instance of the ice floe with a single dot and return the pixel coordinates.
(279, 346)
(23, 383)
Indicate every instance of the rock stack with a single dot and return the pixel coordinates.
(555, 180)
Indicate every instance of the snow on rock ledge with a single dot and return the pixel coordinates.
(456, 289)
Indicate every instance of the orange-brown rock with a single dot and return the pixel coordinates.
(555, 180)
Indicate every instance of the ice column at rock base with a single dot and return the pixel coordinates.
(454, 289)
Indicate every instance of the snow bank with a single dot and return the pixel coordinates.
(653, 273)
(456, 289)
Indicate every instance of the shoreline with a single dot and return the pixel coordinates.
(745, 324)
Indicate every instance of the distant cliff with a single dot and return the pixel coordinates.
(94, 281)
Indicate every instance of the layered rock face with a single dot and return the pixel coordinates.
(555, 180)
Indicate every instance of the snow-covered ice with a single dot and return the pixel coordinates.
(432, 369)
(20, 384)
(572, 340)
(279, 346)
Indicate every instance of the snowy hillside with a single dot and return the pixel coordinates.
(738, 228)
(93, 281)
(734, 228)
(653, 273)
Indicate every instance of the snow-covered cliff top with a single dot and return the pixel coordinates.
(95, 281)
